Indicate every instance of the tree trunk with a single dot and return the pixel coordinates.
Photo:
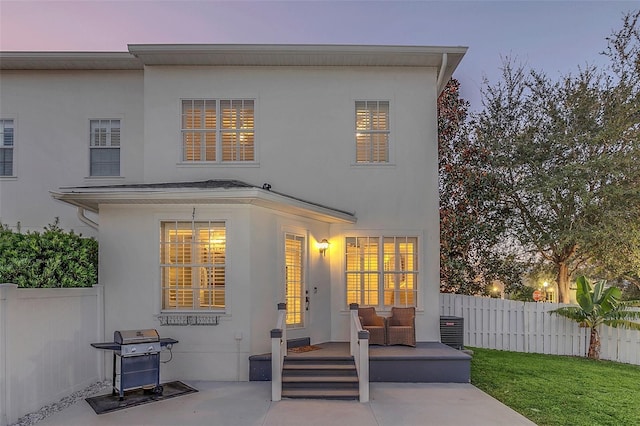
(563, 283)
(594, 344)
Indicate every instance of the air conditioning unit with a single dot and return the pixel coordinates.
(452, 331)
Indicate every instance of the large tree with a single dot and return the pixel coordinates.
(470, 260)
(564, 159)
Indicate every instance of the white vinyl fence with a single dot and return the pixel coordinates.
(45, 352)
(528, 327)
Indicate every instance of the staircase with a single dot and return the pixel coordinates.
(320, 378)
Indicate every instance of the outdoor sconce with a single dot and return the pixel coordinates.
(323, 246)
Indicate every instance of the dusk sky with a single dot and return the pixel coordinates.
(554, 36)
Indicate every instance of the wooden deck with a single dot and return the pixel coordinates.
(428, 362)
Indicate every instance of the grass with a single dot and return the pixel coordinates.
(560, 390)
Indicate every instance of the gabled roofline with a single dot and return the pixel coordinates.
(229, 192)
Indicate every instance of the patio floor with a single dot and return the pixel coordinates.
(249, 404)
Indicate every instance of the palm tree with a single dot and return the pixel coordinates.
(600, 305)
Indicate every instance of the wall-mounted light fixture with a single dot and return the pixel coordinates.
(323, 246)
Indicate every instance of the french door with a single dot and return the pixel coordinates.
(294, 254)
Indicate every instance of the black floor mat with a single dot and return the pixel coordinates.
(108, 403)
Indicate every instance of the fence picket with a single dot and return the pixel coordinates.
(528, 327)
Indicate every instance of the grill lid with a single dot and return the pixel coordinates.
(129, 337)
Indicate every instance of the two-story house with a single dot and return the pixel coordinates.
(214, 176)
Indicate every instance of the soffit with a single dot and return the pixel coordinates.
(206, 192)
(296, 55)
(69, 61)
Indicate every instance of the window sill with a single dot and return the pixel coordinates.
(103, 177)
(205, 164)
(189, 318)
(8, 177)
(369, 165)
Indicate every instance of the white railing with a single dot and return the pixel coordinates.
(528, 327)
(359, 348)
(278, 352)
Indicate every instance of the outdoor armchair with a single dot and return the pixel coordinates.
(374, 324)
(401, 327)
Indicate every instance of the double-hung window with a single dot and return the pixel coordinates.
(6, 148)
(382, 271)
(193, 266)
(218, 130)
(372, 132)
(104, 147)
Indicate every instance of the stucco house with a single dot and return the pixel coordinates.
(221, 180)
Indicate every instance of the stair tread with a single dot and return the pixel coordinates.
(321, 392)
(319, 366)
(302, 379)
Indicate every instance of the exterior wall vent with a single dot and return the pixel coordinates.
(452, 331)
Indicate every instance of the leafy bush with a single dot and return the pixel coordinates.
(53, 258)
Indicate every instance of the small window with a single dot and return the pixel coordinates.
(6, 148)
(193, 266)
(104, 147)
(382, 271)
(218, 130)
(372, 132)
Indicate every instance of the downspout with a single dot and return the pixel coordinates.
(443, 67)
(84, 219)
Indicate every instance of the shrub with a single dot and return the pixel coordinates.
(53, 258)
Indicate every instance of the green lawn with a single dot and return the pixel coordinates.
(560, 390)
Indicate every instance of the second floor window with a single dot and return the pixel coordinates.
(6, 147)
(372, 132)
(104, 147)
(218, 130)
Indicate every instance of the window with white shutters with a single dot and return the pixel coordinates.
(372, 132)
(218, 130)
(193, 266)
(6, 148)
(104, 148)
(381, 271)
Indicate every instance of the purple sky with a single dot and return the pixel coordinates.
(554, 36)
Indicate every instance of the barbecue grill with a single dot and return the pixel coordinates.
(139, 354)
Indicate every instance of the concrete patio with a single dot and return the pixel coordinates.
(249, 403)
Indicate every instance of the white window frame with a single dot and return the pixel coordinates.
(107, 140)
(220, 152)
(204, 273)
(382, 271)
(8, 144)
(371, 132)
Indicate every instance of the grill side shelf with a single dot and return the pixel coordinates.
(113, 346)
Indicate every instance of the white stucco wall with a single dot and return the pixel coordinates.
(51, 112)
(305, 148)
(129, 270)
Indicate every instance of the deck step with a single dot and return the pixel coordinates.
(321, 393)
(320, 378)
(288, 366)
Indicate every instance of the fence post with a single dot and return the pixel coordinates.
(7, 297)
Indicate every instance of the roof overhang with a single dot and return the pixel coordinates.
(69, 61)
(141, 55)
(91, 198)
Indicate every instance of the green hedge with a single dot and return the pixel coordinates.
(53, 258)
